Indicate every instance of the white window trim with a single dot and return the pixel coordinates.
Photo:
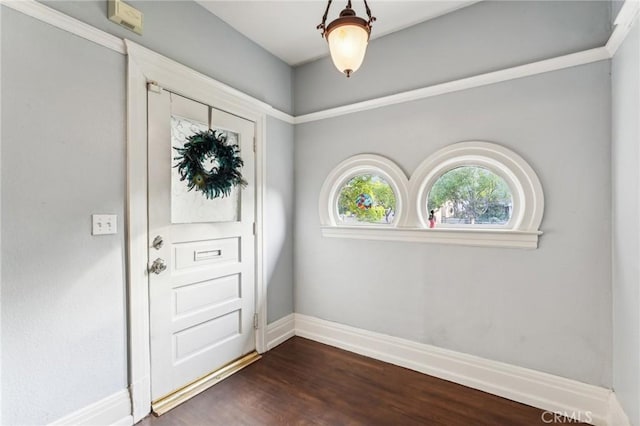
(359, 165)
(526, 190)
(451, 236)
(411, 222)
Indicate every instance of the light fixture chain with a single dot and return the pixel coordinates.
(324, 19)
(371, 18)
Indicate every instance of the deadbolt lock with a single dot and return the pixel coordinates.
(157, 242)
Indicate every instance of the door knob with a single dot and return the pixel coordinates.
(158, 266)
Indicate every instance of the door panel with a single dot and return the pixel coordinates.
(206, 295)
(200, 254)
(202, 304)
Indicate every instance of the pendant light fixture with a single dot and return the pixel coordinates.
(348, 36)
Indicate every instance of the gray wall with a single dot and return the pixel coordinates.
(487, 36)
(63, 159)
(279, 219)
(186, 32)
(63, 293)
(523, 307)
(626, 224)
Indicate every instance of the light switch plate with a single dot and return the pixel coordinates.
(104, 224)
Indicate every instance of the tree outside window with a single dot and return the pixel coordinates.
(471, 195)
(367, 198)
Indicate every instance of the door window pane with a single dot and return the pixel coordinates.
(193, 206)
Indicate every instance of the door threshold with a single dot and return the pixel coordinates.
(166, 403)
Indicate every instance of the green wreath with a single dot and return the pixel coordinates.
(220, 180)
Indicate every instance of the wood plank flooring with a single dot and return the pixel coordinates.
(302, 382)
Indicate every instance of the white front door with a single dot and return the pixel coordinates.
(202, 305)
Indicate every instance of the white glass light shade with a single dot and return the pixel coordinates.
(347, 45)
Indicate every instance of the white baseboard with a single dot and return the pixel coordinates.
(541, 390)
(112, 410)
(125, 421)
(280, 330)
(617, 416)
(597, 405)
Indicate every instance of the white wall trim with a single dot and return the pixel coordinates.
(125, 421)
(260, 234)
(505, 238)
(617, 416)
(1, 219)
(541, 390)
(112, 410)
(623, 24)
(554, 64)
(64, 22)
(280, 331)
(143, 66)
(137, 243)
(74, 26)
(625, 19)
(157, 62)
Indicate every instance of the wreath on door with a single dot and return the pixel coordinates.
(223, 176)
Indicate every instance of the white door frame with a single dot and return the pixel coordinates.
(143, 66)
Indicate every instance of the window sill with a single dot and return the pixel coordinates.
(463, 237)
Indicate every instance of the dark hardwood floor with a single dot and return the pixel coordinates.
(302, 382)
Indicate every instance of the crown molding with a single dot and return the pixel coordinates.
(64, 22)
(623, 23)
(74, 26)
(159, 64)
(547, 65)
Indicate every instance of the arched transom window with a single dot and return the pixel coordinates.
(468, 193)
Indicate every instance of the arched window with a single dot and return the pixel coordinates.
(469, 193)
(364, 190)
(475, 167)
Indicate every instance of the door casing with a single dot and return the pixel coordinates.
(144, 66)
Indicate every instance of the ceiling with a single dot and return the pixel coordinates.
(288, 28)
